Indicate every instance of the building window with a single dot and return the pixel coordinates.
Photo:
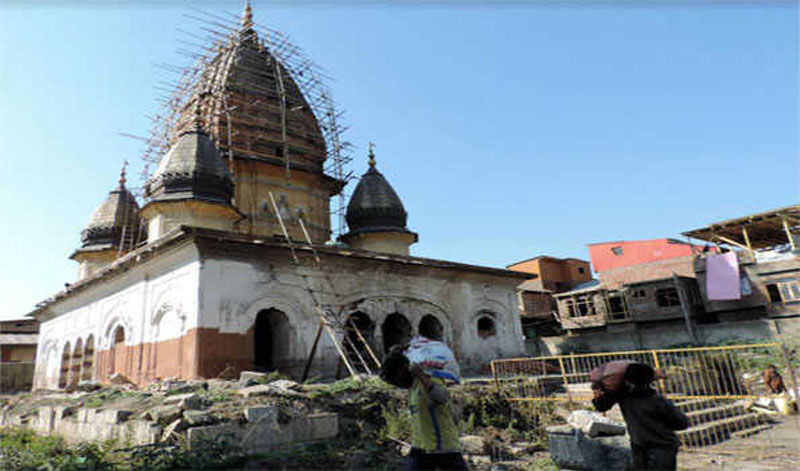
(639, 293)
(583, 306)
(774, 293)
(666, 297)
(486, 327)
(617, 250)
(581, 270)
(784, 291)
(616, 307)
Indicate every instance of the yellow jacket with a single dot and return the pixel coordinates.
(433, 427)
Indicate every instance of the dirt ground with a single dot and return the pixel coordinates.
(775, 449)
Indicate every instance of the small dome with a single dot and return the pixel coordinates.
(374, 206)
(192, 169)
(115, 218)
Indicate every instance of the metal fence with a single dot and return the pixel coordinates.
(723, 389)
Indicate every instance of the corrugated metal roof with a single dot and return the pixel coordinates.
(18, 339)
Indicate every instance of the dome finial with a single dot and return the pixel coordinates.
(247, 16)
(122, 174)
(371, 155)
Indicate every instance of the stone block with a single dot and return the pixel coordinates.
(86, 415)
(284, 384)
(195, 418)
(595, 425)
(62, 412)
(113, 416)
(250, 378)
(196, 437)
(164, 414)
(472, 444)
(45, 419)
(571, 448)
(88, 386)
(262, 414)
(142, 432)
(257, 390)
(324, 425)
(119, 378)
(185, 401)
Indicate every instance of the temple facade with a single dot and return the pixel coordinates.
(227, 265)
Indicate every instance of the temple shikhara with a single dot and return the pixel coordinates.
(228, 260)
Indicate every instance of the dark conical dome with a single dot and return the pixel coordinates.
(374, 206)
(116, 218)
(241, 87)
(192, 169)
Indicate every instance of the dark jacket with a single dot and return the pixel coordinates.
(651, 418)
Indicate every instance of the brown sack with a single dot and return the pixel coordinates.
(610, 376)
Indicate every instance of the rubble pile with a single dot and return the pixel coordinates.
(356, 423)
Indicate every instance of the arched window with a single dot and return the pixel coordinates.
(486, 325)
(271, 340)
(118, 351)
(87, 370)
(396, 330)
(63, 377)
(430, 327)
(76, 363)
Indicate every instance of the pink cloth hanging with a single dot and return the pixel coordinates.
(722, 277)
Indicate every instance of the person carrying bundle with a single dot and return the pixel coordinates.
(422, 367)
(651, 418)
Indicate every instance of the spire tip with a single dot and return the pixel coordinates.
(371, 155)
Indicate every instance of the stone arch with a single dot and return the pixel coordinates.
(118, 352)
(75, 363)
(495, 317)
(396, 330)
(272, 340)
(48, 363)
(379, 308)
(87, 369)
(286, 304)
(359, 326)
(430, 327)
(63, 376)
(111, 326)
(168, 322)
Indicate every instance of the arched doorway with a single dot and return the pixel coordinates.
(87, 370)
(396, 330)
(76, 363)
(118, 351)
(430, 327)
(360, 323)
(271, 340)
(63, 376)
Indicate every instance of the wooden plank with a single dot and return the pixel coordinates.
(313, 351)
(730, 242)
(788, 233)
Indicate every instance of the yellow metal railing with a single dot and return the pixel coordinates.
(715, 386)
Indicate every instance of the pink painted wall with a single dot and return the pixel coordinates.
(634, 252)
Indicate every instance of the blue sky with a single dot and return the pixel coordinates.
(508, 131)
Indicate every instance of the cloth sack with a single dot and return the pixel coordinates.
(434, 357)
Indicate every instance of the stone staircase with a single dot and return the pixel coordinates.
(714, 421)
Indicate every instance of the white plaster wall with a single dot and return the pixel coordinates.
(156, 300)
(233, 292)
